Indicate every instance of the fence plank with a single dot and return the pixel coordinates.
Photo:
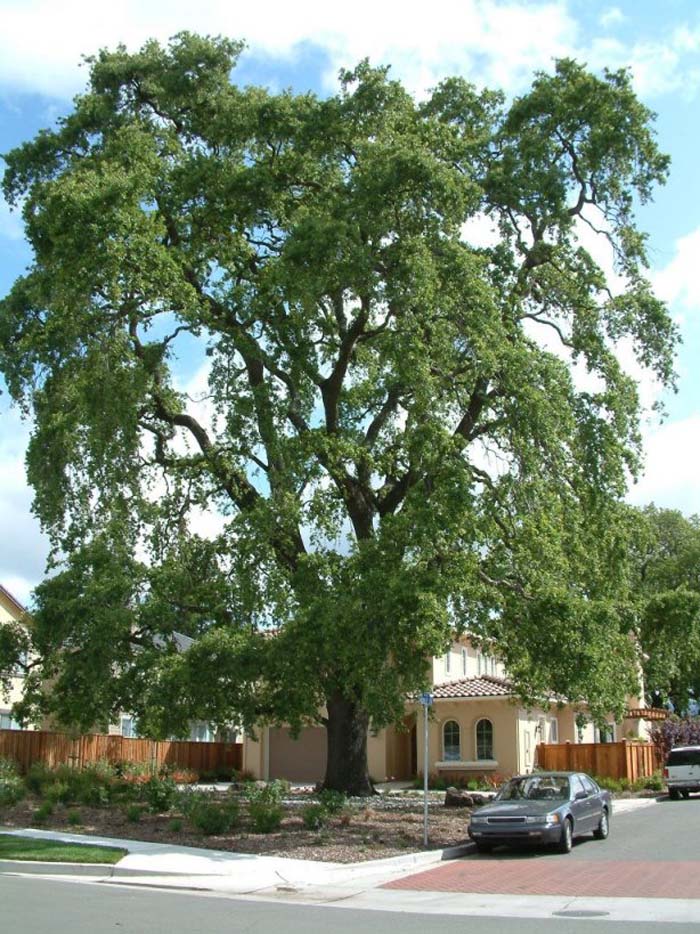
(27, 747)
(610, 760)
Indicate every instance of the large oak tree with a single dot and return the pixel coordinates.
(391, 431)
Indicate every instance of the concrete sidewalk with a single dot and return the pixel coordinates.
(165, 865)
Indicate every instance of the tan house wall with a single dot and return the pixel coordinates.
(274, 754)
(10, 611)
(464, 662)
(503, 716)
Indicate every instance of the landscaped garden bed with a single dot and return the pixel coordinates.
(248, 817)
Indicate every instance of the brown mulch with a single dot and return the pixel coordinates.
(377, 830)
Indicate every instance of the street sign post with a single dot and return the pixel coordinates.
(426, 700)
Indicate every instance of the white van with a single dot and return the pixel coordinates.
(682, 772)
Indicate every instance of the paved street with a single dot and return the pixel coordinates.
(36, 906)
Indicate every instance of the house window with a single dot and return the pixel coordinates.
(447, 662)
(484, 739)
(450, 740)
(7, 723)
(200, 732)
(127, 727)
(479, 664)
(464, 663)
(553, 731)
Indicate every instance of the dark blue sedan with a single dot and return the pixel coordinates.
(545, 807)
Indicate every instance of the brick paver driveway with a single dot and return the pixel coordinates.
(559, 876)
(651, 853)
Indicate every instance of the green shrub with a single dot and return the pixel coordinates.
(37, 776)
(653, 782)
(12, 787)
(74, 818)
(11, 791)
(57, 792)
(315, 816)
(175, 825)
(270, 793)
(265, 817)
(613, 785)
(332, 801)
(8, 769)
(134, 813)
(213, 818)
(42, 813)
(160, 794)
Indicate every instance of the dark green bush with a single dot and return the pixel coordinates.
(160, 794)
(332, 801)
(213, 818)
(74, 818)
(134, 813)
(42, 813)
(265, 817)
(12, 787)
(314, 816)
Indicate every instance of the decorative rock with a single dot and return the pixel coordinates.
(454, 798)
(480, 799)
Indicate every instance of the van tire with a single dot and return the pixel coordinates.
(674, 794)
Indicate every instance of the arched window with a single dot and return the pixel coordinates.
(484, 739)
(450, 741)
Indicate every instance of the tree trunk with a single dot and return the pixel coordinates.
(346, 732)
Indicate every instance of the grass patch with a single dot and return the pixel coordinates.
(54, 851)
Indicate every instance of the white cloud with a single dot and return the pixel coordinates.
(42, 42)
(611, 17)
(678, 283)
(23, 548)
(659, 64)
(671, 475)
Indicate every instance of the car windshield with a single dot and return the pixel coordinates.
(536, 788)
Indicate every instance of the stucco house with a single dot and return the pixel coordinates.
(477, 727)
(11, 610)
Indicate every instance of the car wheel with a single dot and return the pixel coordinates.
(566, 839)
(674, 794)
(686, 793)
(483, 847)
(603, 829)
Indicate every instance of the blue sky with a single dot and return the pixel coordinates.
(302, 45)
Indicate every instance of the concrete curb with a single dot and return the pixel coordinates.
(223, 865)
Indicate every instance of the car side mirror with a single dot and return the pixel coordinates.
(580, 794)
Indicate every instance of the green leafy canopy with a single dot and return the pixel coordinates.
(390, 432)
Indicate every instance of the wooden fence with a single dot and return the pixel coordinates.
(610, 760)
(26, 747)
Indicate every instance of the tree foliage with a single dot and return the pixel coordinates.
(390, 428)
(666, 587)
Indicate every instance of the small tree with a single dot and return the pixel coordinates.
(395, 447)
(676, 731)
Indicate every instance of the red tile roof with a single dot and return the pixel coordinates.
(485, 686)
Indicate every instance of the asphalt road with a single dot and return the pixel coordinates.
(36, 906)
